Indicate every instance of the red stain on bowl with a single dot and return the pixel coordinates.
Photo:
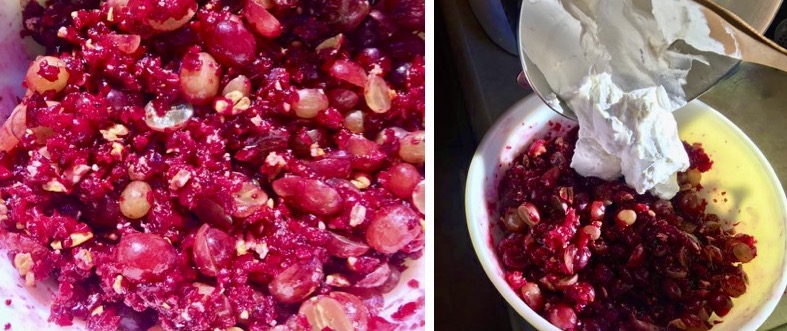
(413, 283)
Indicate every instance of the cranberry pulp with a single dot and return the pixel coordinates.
(589, 254)
(218, 165)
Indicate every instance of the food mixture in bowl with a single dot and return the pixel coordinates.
(218, 165)
(590, 254)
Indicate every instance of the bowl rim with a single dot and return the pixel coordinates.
(475, 197)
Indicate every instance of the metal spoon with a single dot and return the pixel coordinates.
(725, 26)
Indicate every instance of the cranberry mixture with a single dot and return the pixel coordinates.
(589, 254)
(218, 165)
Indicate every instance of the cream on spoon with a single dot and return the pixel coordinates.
(622, 67)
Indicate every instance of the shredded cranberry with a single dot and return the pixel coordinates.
(214, 165)
(589, 254)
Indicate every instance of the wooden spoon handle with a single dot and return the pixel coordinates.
(755, 48)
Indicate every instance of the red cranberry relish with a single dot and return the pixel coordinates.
(218, 165)
(588, 254)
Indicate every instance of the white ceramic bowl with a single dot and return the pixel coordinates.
(29, 308)
(753, 196)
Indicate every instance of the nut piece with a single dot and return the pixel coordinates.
(357, 215)
(114, 132)
(337, 280)
(694, 177)
(80, 238)
(180, 179)
(361, 182)
(23, 262)
(98, 311)
(76, 172)
(54, 186)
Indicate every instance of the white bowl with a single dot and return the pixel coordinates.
(754, 197)
(29, 308)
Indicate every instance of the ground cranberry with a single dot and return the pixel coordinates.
(145, 257)
(213, 250)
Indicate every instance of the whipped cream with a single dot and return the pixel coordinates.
(621, 65)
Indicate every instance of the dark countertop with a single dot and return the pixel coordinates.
(464, 298)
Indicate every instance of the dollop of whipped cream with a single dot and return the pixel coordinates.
(621, 66)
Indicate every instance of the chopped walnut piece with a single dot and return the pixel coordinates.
(357, 215)
(114, 132)
(54, 186)
(117, 285)
(79, 238)
(361, 182)
(180, 179)
(337, 280)
(23, 262)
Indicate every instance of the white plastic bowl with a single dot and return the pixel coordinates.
(29, 308)
(754, 197)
